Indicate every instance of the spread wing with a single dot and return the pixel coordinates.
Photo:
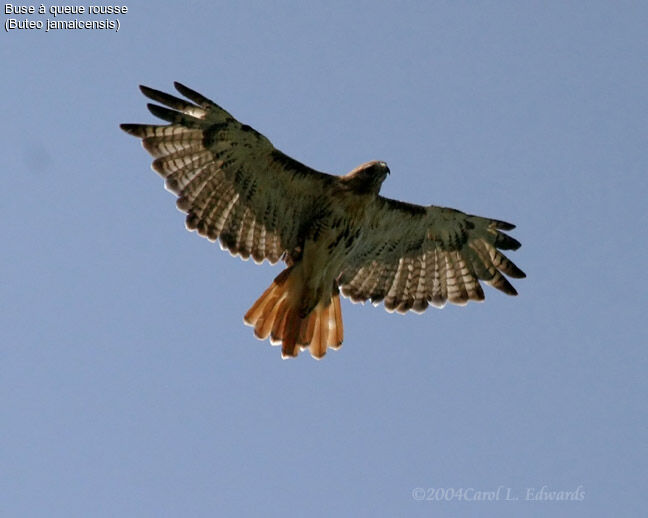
(230, 180)
(412, 256)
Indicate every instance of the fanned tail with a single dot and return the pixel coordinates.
(275, 314)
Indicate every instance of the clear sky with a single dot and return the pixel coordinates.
(129, 384)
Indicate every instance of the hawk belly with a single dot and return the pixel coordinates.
(301, 308)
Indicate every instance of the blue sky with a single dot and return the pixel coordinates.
(130, 386)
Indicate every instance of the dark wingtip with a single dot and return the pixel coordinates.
(514, 272)
(503, 225)
(131, 129)
(184, 90)
(163, 113)
(149, 92)
(192, 95)
(510, 290)
(505, 242)
(501, 283)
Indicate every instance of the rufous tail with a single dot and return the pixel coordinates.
(276, 314)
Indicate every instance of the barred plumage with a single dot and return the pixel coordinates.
(456, 250)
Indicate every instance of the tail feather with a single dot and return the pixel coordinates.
(280, 312)
(317, 348)
(337, 326)
(272, 293)
(290, 334)
(266, 320)
(306, 330)
(276, 314)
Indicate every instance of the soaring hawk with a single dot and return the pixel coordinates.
(333, 232)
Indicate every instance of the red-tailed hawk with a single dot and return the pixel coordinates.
(333, 232)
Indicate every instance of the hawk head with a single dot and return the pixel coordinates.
(367, 178)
